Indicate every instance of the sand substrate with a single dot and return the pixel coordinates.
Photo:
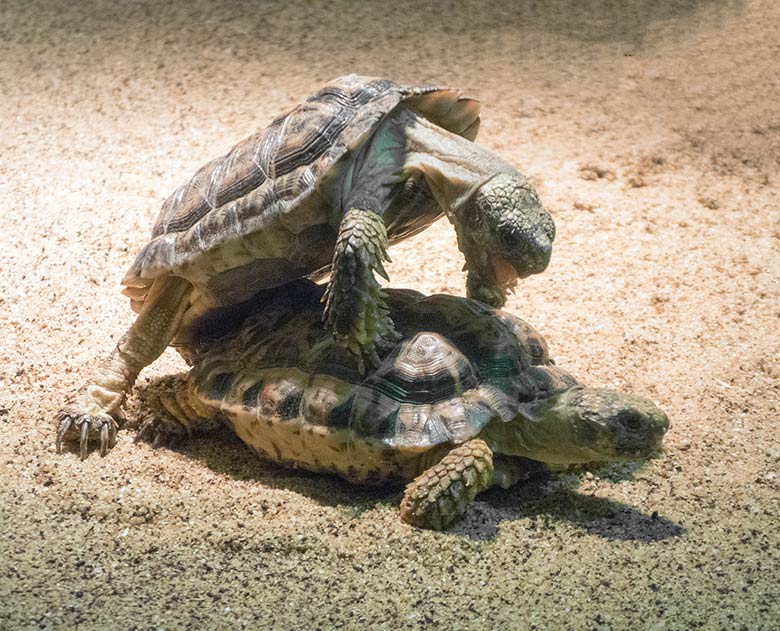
(652, 131)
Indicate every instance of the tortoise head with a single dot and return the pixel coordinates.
(504, 233)
(579, 425)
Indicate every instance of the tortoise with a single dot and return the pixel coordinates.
(326, 187)
(459, 404)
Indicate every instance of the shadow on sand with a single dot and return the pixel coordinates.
(544, 499)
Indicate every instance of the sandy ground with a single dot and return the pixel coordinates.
(652, 130)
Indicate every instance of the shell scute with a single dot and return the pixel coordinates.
(419, 426)
(219, 385)
(526, 335)
(425, 369)
(251, 396)
(280, 398)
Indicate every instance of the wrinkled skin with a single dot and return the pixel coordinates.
(505, 234)
(579, 425)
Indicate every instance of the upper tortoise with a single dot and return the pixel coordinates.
(455, 407)
(361, 164)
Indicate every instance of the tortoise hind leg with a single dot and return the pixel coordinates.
(97, 403)
(170, 412)
(439, 496)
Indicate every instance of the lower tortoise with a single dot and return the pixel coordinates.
(456, 407)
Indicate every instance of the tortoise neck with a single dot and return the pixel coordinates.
(453, 166)
(538, 433)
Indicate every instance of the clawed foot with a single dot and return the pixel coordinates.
(162, 430)
(490, 294)
(369, 354)
(72, 424)
(163, 420)
(167, 415)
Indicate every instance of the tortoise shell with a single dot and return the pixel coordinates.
(262, 214)
(457, 368)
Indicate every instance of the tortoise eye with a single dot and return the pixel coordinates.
(511, 237)
(629, 419)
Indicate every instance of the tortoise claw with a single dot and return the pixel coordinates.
(62, 429)
(104, 432)
(79, 426)
(162, 430)
(83, 441)
(144, 433)
(373, 358)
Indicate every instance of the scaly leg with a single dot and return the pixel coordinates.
(171, 412)
(97, 403)
(485, 290)
(355, 309)
(439, 496)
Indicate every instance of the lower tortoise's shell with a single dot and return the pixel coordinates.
(295, 395)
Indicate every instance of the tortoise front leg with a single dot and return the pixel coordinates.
(438, 497)
(484, 289)
(355, 309)
(95, 406)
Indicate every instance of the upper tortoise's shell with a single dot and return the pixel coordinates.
(268, 196)
(459, 366)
